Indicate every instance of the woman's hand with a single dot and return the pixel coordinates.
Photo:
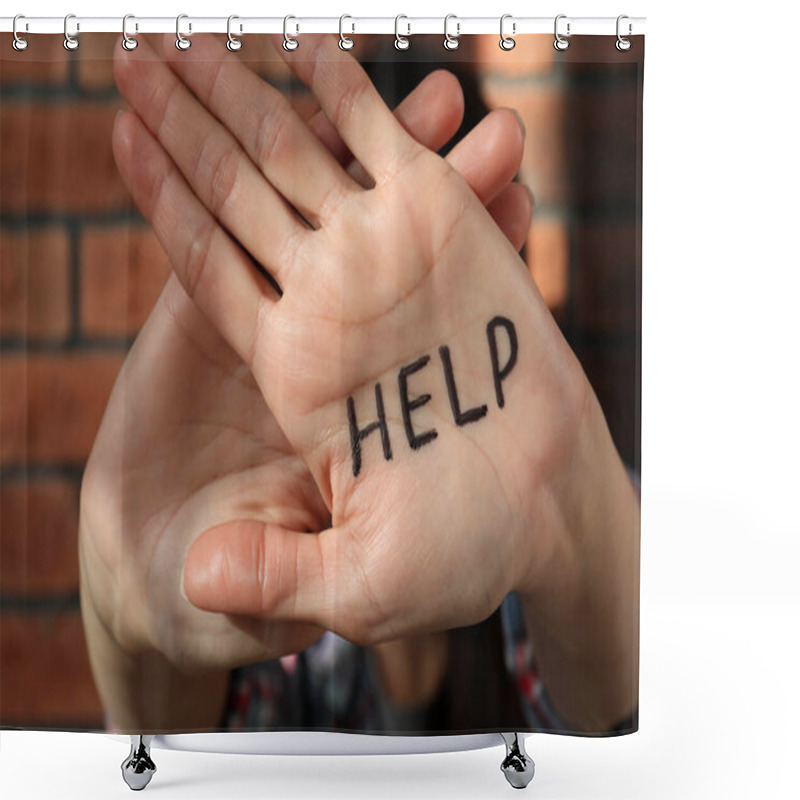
(411, 363)
(187, 441)
(404, 312)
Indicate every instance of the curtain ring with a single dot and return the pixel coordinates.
(19, 43)
(401, 42)
(233, 44)
(181, 42)
(506, 42)
(451, 42)
(70, 42)
(345, 42)
(561, 43)
(623, 44)
(128, 42)
(289, 42)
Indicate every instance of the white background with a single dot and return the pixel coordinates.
(720, 621)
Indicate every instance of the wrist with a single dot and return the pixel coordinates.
(556, 476)
(142, 691)
(581, 605)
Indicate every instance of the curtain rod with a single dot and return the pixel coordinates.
(349, 25)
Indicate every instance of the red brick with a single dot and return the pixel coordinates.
(39, 537)
(35, 289)
(44, 62)
(542, 110)
(123, 270)
(96, 59)
(532, 55)
(45, 676)
(51, 406)
(58, 158)
(547, 252)
(606, 277)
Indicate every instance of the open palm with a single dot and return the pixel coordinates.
(187, 441)
(411, 363)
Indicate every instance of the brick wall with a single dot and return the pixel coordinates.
(64, 328)
(79, 272)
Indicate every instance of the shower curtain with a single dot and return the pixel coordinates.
(320, 385)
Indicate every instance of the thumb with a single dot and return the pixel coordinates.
(255, 568)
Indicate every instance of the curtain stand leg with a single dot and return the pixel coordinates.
(138, 768)
(517, 766)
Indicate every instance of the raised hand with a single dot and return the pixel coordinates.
(187, 441)
(411, 363)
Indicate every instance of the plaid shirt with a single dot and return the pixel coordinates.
(334, 685)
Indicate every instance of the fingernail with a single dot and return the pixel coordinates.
(521, 122)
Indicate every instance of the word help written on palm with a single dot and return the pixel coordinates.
(411, 363)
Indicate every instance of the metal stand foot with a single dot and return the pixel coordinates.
(517, 766)
(138, 768)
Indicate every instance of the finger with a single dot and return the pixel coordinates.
(353, 105)
(213, 269)
(217, 169)
(283, 147)
(512, 210)
(490, 155)
(432, 114)
(256, 569)
(253, 568)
